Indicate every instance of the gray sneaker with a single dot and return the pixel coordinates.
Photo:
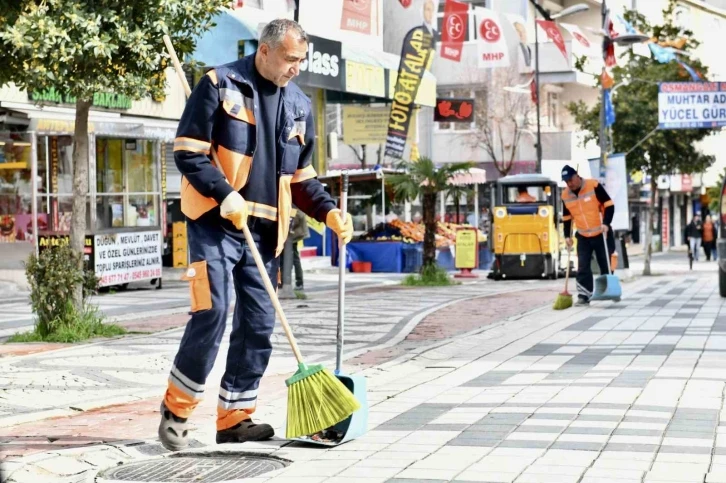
(582, 301)
(173, 430)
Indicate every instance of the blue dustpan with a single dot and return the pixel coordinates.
(357, 423)
(607, 287)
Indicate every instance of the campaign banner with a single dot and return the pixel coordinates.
(691, 105)
(127, 257)
(492, 46)
(581, 44)
(613, 175)
(455, 25)
(554, 34)
(356, 16)
(454, 110)
(417, 49)
(520, 26)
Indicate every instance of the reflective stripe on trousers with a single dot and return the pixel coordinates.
(229, 264)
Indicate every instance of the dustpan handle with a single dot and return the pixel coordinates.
(341, 275)
(605, 241)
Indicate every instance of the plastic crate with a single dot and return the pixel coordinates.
(412, 257)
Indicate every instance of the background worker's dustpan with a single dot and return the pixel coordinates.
(607, 287)
(357, 423)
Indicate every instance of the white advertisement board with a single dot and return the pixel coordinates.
(687, 105)
(614, 178)
(127, 257)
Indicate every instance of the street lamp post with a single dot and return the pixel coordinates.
(580, 7)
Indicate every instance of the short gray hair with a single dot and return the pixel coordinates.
(275, 31)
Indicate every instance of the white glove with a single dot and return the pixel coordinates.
(234, 208)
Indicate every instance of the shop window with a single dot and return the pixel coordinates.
(126, 183)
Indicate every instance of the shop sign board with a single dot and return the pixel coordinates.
(46, 241)
(108, 100)
(689, 105)
(368, 124)
(454, 110)
(322, 67)
(467, 249)
(127, 257)
(369, 80)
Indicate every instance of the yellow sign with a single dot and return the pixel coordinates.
(365, 79)
(369, 125)
(426, 95)
(179, 243)
(466, 248)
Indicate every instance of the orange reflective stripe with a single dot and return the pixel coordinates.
(284, 205)
(192, 145)
(212, 74)
(608, 203)
(566, 218)
(228, 418)
(262, 211)
(179, 402)
(304, 174)
(236, 166)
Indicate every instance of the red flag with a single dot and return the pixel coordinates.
(356, 16)
(533, 90)
(405, 3)
(553, 32)
(454, 29)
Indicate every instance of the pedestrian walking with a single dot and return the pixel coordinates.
(260, 125)
(298, 232)
(694, 232)
(708, 235)
(587, 204)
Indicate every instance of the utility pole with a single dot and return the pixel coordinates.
(538, 166)
(605, 44)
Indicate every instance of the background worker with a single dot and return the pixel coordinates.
(587, 203)
(260, 125)
(523, 195)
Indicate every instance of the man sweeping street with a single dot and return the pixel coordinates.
(587, 203)
(260, 125)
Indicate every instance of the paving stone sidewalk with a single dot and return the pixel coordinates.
(628, 392)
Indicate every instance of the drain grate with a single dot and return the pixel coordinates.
(197, 468)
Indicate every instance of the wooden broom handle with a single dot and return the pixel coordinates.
(248, 236)
(185, 84)
(272, 293)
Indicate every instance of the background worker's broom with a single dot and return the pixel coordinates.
(316, 399)
(564, 299)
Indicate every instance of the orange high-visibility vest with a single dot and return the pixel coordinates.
(585, 209)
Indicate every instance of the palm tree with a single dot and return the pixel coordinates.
(423, 179)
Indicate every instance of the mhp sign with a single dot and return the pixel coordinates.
(689, 105)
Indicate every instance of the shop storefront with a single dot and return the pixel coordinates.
(126, 221)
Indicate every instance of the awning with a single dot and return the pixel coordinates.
(362, 72)
(470, 177)
(61, 121)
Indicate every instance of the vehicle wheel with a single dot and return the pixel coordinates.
(722, 282)
(555, 269)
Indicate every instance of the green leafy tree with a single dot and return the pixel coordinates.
(84, 47)
(636, 107)
(425, 181)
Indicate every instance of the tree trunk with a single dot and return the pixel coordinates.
(648, 248)
(80, 190)
(429, 219)
(364, 157)
(456, 207)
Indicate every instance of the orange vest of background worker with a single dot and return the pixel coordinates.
(523, 196)
(587, 203)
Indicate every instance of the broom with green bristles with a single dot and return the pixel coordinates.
(316, 399)
(564, 300)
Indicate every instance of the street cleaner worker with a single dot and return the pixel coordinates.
(261, 127)
(587, 203)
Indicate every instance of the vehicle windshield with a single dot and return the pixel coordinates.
(522, 194)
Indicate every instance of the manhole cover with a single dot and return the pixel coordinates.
(198, 468)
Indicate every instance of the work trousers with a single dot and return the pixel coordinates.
(586, 246)
(221, 259)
